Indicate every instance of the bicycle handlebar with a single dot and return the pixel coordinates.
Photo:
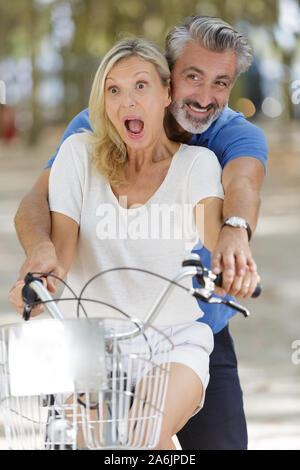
(34, 292)
(217, 279)
(256, 293)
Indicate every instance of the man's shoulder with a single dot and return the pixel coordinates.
(79, 122)
(232, 136)
(237, 132)
(230, 120)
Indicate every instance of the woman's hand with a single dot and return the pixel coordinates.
(53, 257)
(17, 302)
(15, 294)
(42, 258)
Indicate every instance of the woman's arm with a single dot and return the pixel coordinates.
(208, 220)
(64, 235)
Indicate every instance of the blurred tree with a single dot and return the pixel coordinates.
(22, 28)
(100, 24)
(286, 38)
(97, 24)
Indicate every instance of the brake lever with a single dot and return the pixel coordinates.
(205, 295)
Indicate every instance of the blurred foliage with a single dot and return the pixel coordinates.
(97, 24)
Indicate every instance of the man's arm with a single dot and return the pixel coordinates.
(33, 226)
(242, 180)
(64, 234)
(32, 221)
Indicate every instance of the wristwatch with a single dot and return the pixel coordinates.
(238, 222)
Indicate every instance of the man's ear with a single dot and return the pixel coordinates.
(169, 92)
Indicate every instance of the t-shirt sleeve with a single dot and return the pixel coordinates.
(241, 139)
(66, 181)
(81, 121)
(205, 178)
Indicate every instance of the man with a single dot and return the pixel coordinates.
(205, 56)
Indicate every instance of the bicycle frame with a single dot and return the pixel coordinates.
(116, 393)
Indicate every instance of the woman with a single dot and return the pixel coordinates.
(126, 195)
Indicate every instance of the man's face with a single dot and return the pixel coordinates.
(201, 84)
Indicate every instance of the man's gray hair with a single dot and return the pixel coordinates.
(213, 34)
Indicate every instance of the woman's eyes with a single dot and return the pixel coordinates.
(114, 89)
(141, 85)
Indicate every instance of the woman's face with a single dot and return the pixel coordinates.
(135, 102)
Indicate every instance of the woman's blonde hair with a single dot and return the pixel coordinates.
(109, 152)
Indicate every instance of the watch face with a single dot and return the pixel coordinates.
(236, 222)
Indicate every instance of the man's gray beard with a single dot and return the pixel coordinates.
(190, 123)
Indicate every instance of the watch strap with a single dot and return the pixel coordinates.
(246, 226)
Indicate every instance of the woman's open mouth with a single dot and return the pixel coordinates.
(134, 126)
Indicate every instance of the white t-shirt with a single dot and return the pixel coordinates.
(156, 236)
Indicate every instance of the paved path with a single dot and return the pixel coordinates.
(263, 342)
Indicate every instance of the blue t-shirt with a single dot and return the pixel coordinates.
(230, 136)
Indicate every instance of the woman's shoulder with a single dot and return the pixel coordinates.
(78, 140)
(76, 149)
(194, 154)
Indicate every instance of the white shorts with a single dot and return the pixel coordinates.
(193, 343)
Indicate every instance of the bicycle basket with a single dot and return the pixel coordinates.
(74, 384)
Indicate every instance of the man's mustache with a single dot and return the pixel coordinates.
(195, 104)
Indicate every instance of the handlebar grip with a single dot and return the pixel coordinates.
(29, 295)
(256, 293)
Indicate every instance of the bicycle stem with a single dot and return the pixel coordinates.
(188, 271)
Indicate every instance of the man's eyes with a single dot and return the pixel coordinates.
(195, 78)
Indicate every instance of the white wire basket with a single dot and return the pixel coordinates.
(82, 384)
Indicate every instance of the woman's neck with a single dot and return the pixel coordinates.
(138, 159)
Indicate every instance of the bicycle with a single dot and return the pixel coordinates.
(80, 383)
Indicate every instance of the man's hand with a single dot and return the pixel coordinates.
(232, 256)
(41, 259)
